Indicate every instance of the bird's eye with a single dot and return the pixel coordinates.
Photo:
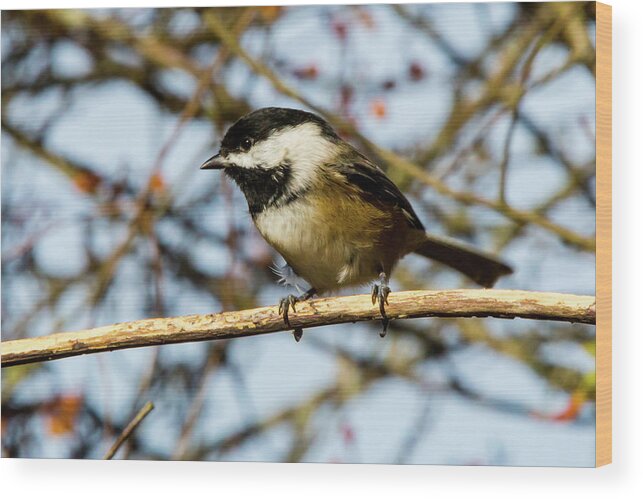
(246, 144)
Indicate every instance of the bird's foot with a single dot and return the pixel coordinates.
(287, 303)
(379, 294)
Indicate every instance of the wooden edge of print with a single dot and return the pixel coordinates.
(603, 234)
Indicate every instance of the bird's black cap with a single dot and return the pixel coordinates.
(260, 124)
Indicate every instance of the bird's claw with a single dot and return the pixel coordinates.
(285, 304)
(379, 294)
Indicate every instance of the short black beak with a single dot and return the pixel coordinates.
(216, 162)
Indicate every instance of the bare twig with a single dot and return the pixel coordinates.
(406, 304)
(213, 361)
(145, 410)
(543, 41)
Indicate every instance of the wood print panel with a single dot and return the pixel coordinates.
(140, 303)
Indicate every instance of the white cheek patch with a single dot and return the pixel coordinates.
(242, 159)
(303, 147)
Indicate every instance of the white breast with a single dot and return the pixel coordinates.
(315, 250)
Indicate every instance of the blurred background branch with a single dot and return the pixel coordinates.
(129, 429)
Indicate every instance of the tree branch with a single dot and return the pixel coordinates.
(504, 304)
(129, 429)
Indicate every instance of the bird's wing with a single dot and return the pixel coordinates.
(378, 189)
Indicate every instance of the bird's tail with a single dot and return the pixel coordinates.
(478, 266)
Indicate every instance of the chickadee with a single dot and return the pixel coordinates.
(333, 215)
